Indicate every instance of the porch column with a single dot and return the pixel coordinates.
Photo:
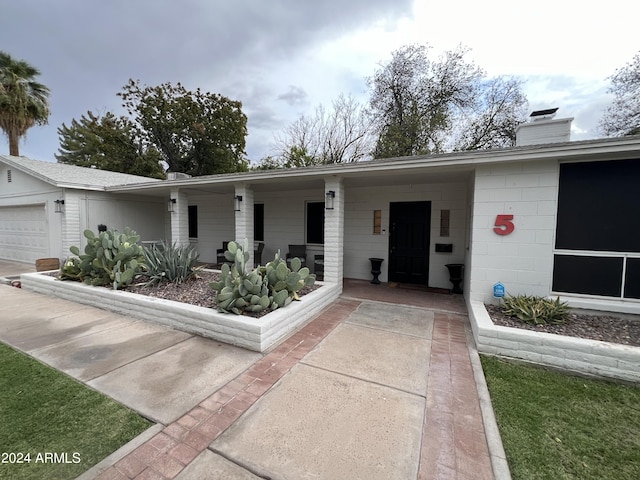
(179, 218)
(334, 231)
(244, 218)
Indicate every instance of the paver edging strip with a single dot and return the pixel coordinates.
(123, 451)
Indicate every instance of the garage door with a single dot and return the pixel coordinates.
(24, 235)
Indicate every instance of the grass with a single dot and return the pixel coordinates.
(43, 411)
(556, 426)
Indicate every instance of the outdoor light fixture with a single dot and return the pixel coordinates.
(329, 197)
(59, 206)
(171, 205)
(238, 202)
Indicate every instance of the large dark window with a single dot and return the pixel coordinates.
(598, 211)
(193, 221)
(258, 222)
(588, 275)
(599, 206)
(315, 222)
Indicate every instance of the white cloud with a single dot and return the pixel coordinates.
(262, 53)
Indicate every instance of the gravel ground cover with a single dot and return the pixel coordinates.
(607, 327)
(195, 291)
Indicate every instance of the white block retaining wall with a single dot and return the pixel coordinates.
(591, 357)
(258, 334)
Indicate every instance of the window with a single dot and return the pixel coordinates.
(193, 221)
(597, 248)
(258, 222)
(315, 222)
(9, 176)
(377, 222)
(445, 215)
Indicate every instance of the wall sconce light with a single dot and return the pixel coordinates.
(329, 198)
(59, 206)
(237, 202)
(171, 205)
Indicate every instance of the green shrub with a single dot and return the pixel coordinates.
(537, 310)
(273, 286)
(110, 259)
(169, 263)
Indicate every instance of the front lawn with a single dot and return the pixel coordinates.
(52, 426)
(556, 426)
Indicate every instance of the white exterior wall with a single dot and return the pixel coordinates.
(216, 224)
(285, 221)
(360, 243)
(523, 260)
(144, 215)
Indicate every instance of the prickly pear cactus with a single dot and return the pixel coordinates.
(285, 283)
(110, 259)
(238, 289)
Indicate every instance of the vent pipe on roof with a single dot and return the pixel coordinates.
(543, 128)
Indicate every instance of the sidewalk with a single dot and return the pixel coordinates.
(366, 390)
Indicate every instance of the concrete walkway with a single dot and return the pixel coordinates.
(369, 389)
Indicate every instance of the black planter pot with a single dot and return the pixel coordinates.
(376, 264)
(456, 275)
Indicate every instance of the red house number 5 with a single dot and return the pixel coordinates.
(504, 225)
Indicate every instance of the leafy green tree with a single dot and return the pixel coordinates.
(109, 143)
(622, 117)
(422, 106)
(197, 133)
(24, 102)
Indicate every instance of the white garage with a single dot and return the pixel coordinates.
(24, 234)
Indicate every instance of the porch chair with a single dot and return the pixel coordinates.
(220, 258)
(257, 253)
(318, 266)
(299, 251)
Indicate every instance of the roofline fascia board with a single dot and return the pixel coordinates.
(587, 148)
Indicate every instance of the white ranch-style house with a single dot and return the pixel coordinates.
(547, 217)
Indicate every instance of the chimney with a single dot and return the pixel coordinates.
(177, 176)
(543, 128)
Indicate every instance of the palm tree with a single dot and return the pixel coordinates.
(23, 101)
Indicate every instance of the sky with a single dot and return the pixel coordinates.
(283, 58)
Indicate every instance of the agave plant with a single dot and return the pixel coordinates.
(170, 263)
(537, 310)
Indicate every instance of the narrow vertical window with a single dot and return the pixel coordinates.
(193, 221)
(258, 222)
(9, 176)
(444, 222)
(315, 222)
(377, 222)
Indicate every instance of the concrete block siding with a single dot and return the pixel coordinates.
(589, 357)
(522, 260)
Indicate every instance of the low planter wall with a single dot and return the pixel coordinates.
(591, 357)
(258, 334)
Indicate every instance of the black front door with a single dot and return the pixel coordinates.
(409, 242)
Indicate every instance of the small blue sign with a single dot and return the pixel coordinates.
(498, 290)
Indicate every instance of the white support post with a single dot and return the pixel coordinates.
(179, 218)
(244, 217)
(334, 231)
